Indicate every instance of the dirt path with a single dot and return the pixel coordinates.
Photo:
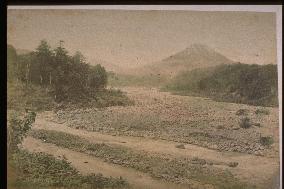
(251, 168)
(136, 179)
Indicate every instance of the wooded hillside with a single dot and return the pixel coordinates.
(55, 74)
(240, 83)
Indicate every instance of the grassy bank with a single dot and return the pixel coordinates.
(147, 80)
(36, 98)
(40, 170)
(179, 170)
(238, 83)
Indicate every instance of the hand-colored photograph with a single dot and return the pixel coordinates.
(142, 99)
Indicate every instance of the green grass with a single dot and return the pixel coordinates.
(237, 83)
(20, 96)
(242, 112)
(40, 170)
(178, 170)
(262, 111)
(35, 98)
(135, 80)
(266, 140)
(112, 97)
(245, 123)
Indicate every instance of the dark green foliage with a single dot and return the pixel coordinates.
(189, 81)
(245, 123)
(98, 77)
(167, 168)
(262, 111)
(40, 170)
(148, 80)
(33, 97)
(242, 112)
(67, 77)
(11, 62)
(239, 83)
(181, 146)
(233, 164)
(17, 130)
(266, 140)
(112, 97)
(257, 124)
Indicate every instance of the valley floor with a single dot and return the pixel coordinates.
(168, 141)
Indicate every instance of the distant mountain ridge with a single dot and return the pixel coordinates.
(195, 56)
(22, 51)
(239, 83)
(110, 67)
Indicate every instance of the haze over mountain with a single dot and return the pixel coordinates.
(22, 51)
(195, 56)
(131, 38)
(108, 65)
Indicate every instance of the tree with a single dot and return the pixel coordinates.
(98, 77)
(11, 63)
(45, 60)
(68, 77)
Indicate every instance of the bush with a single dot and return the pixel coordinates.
(166, 167)
(42, 170)
(266, 140)
(237, 83)
(242, 112)
(181, 146)
(245, 123)
(17, 130)
(220, 127)
(257, 124)
(112, 97)
(233, 164)
(36, 98)
(262, 111)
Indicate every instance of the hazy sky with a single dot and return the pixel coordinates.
(138, 37)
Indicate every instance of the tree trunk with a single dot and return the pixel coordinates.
(27, 73)
(40, 79)
(50, 78)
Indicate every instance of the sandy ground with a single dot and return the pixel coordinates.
(88, 164)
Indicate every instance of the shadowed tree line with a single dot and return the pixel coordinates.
(67, 77)
(239, 83)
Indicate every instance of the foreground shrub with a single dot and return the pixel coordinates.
(242, 112)
(42, 170)
(36, 98)
(181, 146)
(180, 170)
(17, 130)
(233, 164)
(262, 111)
(266, 140)
(39, 170)
(112, 97)
(237, 83)
(245, 123)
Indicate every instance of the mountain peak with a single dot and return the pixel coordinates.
(197, 52)
(195, 56)
(198, 46)
(198, 49)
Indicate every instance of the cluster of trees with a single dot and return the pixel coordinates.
(68, 77)
(241, 83)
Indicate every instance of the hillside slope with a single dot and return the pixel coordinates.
(195, 56)
(159, 73)
(240, 83)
